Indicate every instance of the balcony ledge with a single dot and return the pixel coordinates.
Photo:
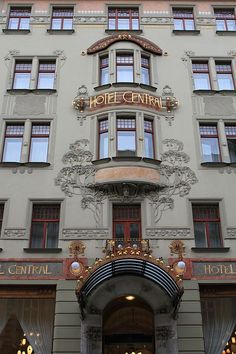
(15, 31)
(226, 33)
(186, 32)
(60, 31)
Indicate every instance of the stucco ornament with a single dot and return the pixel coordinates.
(179, 178)
(78, 179)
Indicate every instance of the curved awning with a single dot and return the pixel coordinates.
(160, 274)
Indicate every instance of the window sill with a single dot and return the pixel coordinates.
(204, 92)
(127, 158)
(214, 164)
(226, 33)
(187, 32)
(101, 161)
(225, 92)
(102, 87)
(42, 250)
(209, 250)
(28, 164)
(148, 87)
(125, 84)
(26, 91)
(60, 31)
(15, 31)
(114, 31)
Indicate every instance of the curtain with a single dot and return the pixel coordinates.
(219, 319)
(35, 317)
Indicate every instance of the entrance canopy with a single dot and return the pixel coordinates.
(147, 267)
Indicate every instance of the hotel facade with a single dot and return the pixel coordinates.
(117, 177)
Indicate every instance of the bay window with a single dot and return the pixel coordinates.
(126, 136)
(210, 143)
(45, 226)
(207, 227)
(145, 68)
(103, 138)
(124, 68)
(148, 138)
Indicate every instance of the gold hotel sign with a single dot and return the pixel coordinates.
(116, 98)
(31, 269)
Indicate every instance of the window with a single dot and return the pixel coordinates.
(127, 224)
(19, 18)
(36, 148)
(183, 19)
(230, 132)
(104, 70)
(145, 68)
(224, 75)
(13, 143)
(22, 74)
(62, 18)
(124, 68)
(207, 229)
(45, 226)
(123, 18)
(46, 74)
(39, 143)
(210, 143)
(148, 138)
(1, 215)
(126, 136)
(225, 19)
(103, 138)
(201, 75)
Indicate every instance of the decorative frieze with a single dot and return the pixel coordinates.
(14, 234)
(85, 234)
(169, 233)
(231, 233)
(158, 20)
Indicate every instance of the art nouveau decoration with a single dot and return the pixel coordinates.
(77, 178)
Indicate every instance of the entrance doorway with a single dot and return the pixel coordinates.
(128, 327)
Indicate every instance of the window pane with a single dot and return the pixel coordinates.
(126, 143)
(12, 150)
(119, 231)
(68, 23)
(189, 25)
(46, 81)
(13, 23)
(145, 76)
(56, 23)
(201, 81)
(125, 74)
(135, 24)
(24, 23)
(178, 24)
(148, 141)
(232, 149)
(134, 232)
(220, 25)
(21, 81)
(39, 150)
(231, 24)
(123, 23)
(225, 81)
(52, 235)
(104, 76)
(214, 234)
(37, 235)
(210, 149)
(200, 234)
(112, 23)
(103, 146)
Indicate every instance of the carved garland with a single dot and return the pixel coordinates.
(142, 42)
(77, 179)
